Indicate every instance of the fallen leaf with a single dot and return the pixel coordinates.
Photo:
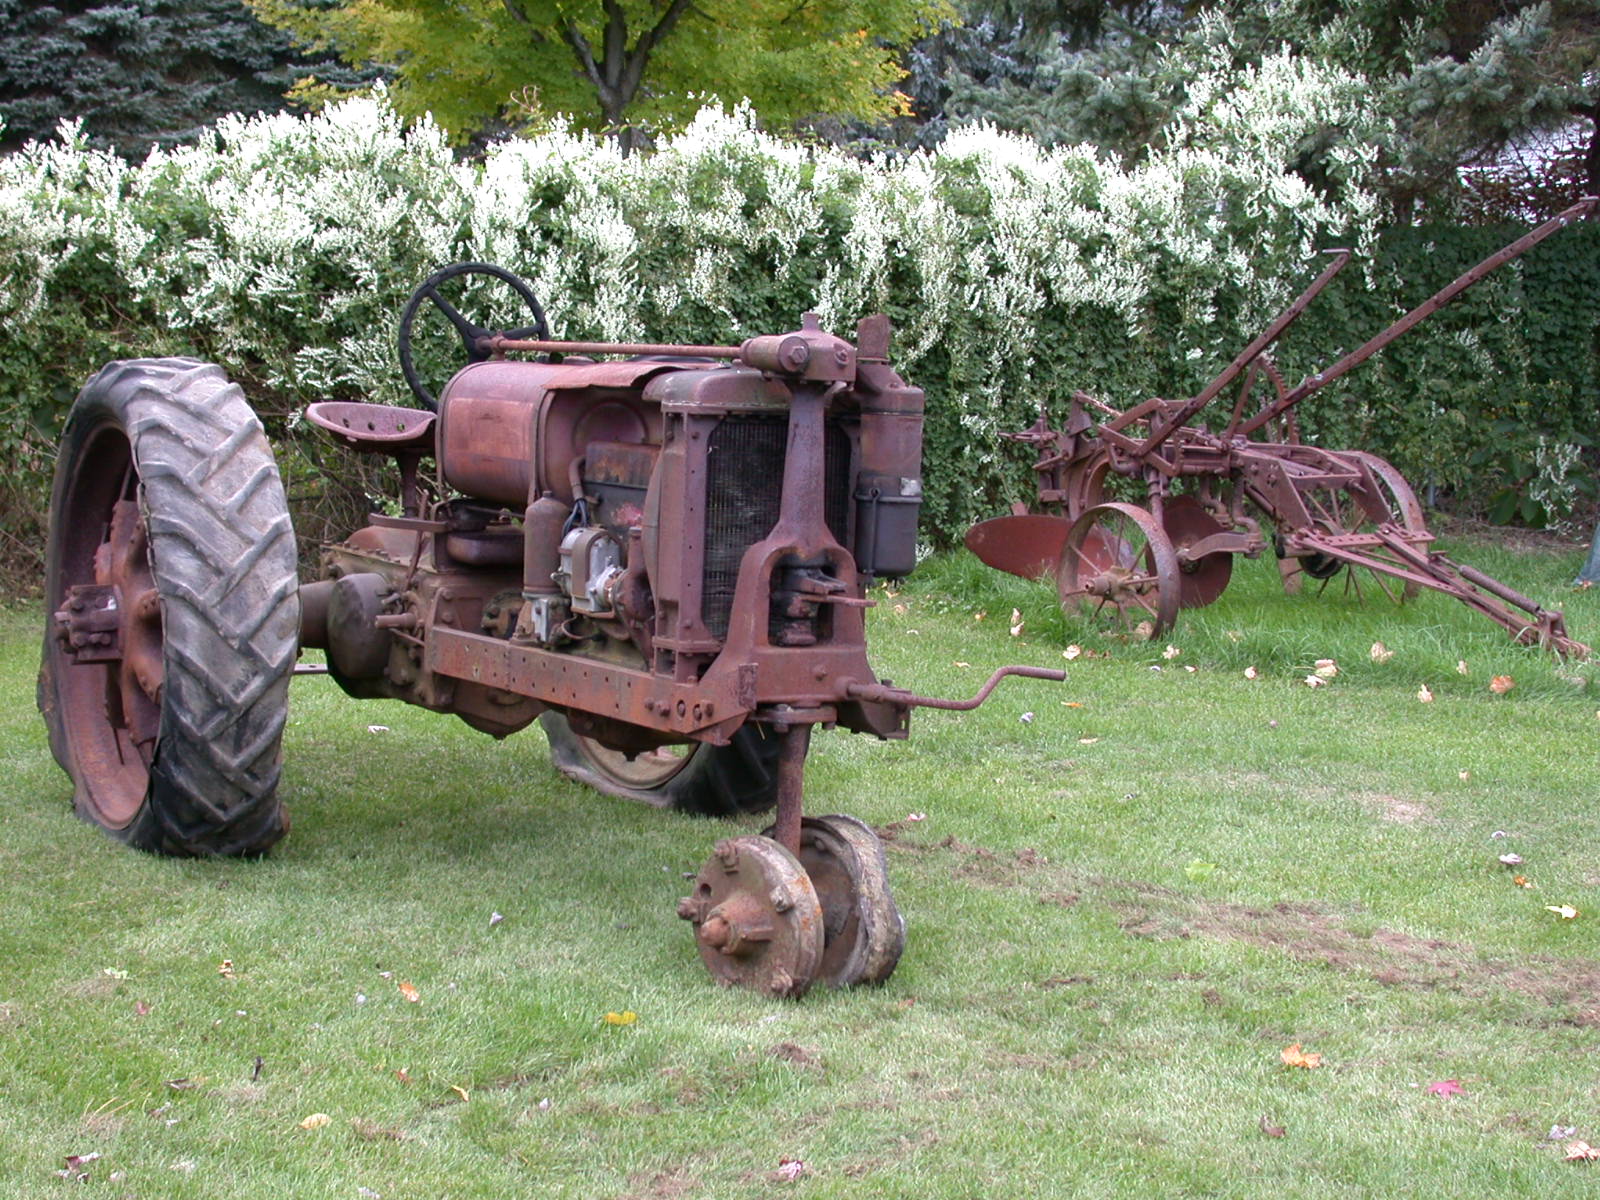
(1144, 631)
(790, 1169)
(1565, 911)
(1380, 653)
(1072, 704)
(899, 610)
(1559, 1132)
(978, 616)
(409, 991)
(1016, 622)
(1171, 652)
(1464, 775)
(1501, 684)
(1581, 1152)
(1073, 651)
(1250, 672)
(1461, 666)
(1522, 881)
(1446, 1087)
(402, 1075)
(367, 1193)
(1424, 695)
(377, 729)
(621, 1018)
(1087, 741)
(1498, 834)
(1190, 669)
(225, 968)
(1271, 1130)
(1511, 860)
(1026, 718)
(1293, 1056)
(495, 919)
(460, 1091)
(1316, 681)
(916, 816)
(114, 973)
(141, 1009)
(316, 1121)
(1326, 668)
(959, 663)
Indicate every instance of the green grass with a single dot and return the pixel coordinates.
(1077, 1013)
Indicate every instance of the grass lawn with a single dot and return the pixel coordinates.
(1126, 896)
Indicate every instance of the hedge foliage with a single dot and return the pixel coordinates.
(285, 246)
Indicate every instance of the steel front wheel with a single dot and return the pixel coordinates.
(712, 781)
(171, 579)
(1117, 566)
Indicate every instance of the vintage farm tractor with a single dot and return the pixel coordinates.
(1330, 511)
(661, 554)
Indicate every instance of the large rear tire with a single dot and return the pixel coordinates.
(169, 518)
(710, 781)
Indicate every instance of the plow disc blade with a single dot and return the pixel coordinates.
(1028, 545)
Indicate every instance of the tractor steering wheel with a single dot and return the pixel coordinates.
(471, 334)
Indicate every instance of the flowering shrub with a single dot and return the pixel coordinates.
(283, 247)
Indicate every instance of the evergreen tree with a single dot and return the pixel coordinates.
(138, 73)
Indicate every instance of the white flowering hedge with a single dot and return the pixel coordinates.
(283, 248)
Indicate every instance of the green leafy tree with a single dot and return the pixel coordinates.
(138, 73)
(624, 66)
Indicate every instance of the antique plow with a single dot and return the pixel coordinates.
(1207, 494)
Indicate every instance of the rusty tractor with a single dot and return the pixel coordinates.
(660, 552)
(1206, 494)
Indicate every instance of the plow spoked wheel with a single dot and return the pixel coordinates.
(1338, 512)
(1185, 521)
(1118, 566)
(757, 919)
(863, 931)
(711, 781)
(171, 579)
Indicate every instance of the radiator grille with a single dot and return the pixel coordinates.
(744, 477)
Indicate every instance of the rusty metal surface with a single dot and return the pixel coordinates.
(863, 931)
(1332, 512)
(756, 917)
(1026, 544)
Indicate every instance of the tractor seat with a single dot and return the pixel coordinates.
(375, 428)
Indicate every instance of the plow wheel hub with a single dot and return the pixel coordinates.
(1119, 568)
(756, 917)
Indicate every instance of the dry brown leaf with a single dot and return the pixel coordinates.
(1171, 652)
(1072, 652)
(1016, 622)
(1522, 881)
(225, 968)
(1315, 681)
(1501, 684)
(1581, 1152)
(1461, 666)
(1250, 673)
(1271, 1130)
(1565, 911)
(409, 991)
(460, 1091)
(1380, 653)
(1293, 1056)
(316, 1121)
(621, 1018)
(1424, 695)
(1325, 668)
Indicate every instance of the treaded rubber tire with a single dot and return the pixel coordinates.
(716, 781)
(222, 556)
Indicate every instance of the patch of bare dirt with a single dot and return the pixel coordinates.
(1397, 809)
(800, 1056)
(1303, 931)
(662, 1185)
